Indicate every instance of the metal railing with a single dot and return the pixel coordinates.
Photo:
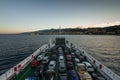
(16, 69)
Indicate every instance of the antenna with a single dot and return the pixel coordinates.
(59, 30)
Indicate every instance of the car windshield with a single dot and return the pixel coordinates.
(62, 67)
(44, 60)
(89, 67)
(51, 65)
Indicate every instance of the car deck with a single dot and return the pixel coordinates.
(28, 71)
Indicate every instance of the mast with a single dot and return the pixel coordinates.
(59, 30)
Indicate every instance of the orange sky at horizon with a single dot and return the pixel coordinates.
(15, 30)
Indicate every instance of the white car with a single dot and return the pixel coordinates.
(61, 58)
(45, 60)
(88, 66)
(52, 65)
(77, 60)
(40, 57)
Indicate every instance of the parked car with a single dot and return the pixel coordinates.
(39, 71)
(61, 58)
(69, 65)
(88, 66)
(50, 75)
(48, 50)
(34, 63)
(62, 67)
(47, 53)
(81, 68)
(54, 57)
(77, 60)
(31, 78)
(40, 57)
(52, 65)
(66, 52)
(94, 76)
(85, 76)
(72, 75)
(60, 49)
(78, 53)
(81, 58)
(73, 55)
(68, 57)
(45, 60)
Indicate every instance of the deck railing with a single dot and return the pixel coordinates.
(20, 66)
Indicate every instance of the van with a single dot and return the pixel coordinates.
(52, 65)
(88, 66)
(45, 60)
(61, 58)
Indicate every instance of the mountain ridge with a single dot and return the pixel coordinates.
(110, 30)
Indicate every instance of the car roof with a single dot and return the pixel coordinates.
(52, 62)
(40, 55)
(77, 59)
(45, 57)
(79, 64)
(87, 63)
(61, 56)
(62, 64)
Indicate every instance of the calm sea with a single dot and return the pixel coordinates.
(14, 48)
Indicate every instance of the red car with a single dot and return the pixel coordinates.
(69, 57)
(34, 63)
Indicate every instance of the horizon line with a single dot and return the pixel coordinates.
(80, 27)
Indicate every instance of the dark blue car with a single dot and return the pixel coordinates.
(72, 75)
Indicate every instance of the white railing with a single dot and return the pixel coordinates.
(106, 72)
(20, 66)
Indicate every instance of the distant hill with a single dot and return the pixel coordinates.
(111, 30)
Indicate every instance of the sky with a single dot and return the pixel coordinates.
(18, 16)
